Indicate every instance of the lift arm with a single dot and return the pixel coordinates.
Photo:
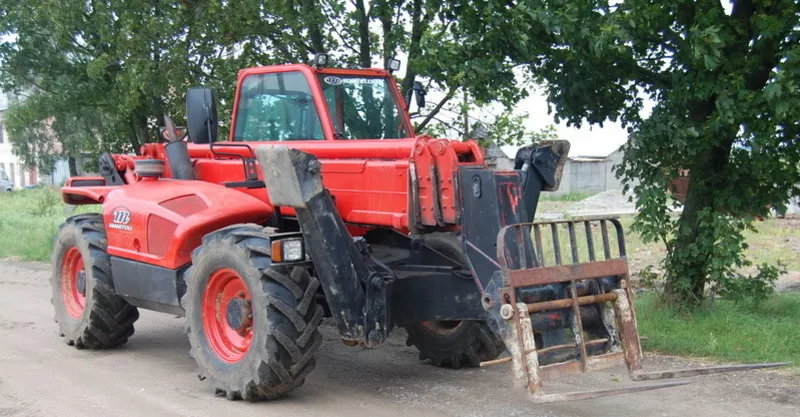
(356, 292)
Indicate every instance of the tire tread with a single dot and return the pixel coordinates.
(110, 320)
(292, 313)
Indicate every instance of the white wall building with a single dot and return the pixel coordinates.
(15, 170)
(10, 163)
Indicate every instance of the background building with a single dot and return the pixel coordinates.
(9, 163)
(15, 170)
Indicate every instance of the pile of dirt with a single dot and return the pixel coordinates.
(607, 202)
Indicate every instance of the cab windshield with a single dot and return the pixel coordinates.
(362, 107)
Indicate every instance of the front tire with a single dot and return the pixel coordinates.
(252, 325)
(88, 311)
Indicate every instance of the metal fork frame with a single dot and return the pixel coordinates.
(622, 347)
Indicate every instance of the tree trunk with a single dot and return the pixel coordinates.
(365, 53)
(133, 138)
(688, 262)
(73, 166)
(311, 10)
(385, 15)
(418, 24)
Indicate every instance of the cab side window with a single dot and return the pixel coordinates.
(277, 107)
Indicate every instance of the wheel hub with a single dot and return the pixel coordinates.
(227, 315)
(81, 278)
(239, 314)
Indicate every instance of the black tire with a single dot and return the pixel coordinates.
(106, 320)
(285, 316)
(453, 344)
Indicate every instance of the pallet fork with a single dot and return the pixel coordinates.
(586, 285)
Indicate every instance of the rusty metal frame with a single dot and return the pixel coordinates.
(621, 347)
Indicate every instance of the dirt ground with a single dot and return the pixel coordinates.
(153, 376)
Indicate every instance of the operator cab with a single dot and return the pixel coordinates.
(304, 103)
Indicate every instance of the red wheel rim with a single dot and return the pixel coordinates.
(224, 287)
(74, 295)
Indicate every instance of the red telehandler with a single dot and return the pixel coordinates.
(324, 202)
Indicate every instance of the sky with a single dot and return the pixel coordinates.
(586, 141)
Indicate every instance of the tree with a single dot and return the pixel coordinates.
(125, 64)
(724, 83)
(108, 71)
(43, 129)
(436, 53)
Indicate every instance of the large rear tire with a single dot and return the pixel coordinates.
(88, 311)
(453, 344)
(252, 325)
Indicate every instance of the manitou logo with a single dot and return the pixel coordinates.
(121, 218)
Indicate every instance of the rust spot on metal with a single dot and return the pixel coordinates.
(568, 302)
(685, 373)
(566, 273)
(588, 395)
(628, 332)
(561, 369)
(496, 362)
(571, 346)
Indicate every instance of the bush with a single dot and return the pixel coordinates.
(46, 202)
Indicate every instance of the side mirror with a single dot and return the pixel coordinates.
(201, 115)
(419, 91)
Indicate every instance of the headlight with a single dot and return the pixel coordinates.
(288, 250)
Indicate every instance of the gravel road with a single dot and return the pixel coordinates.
(152, 375)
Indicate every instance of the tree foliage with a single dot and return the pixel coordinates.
(723, 81)
(115, 67)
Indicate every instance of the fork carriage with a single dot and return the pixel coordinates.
(592, 299)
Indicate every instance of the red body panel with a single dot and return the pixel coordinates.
(84, 195)
(168, 218)
(404, 184)
(368, 191)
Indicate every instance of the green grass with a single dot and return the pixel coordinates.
(775, 240)
(29, 221)
(576, 196)
(738, 333)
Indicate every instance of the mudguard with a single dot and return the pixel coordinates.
(160, 222)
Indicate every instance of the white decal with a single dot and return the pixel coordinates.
(121, 218)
